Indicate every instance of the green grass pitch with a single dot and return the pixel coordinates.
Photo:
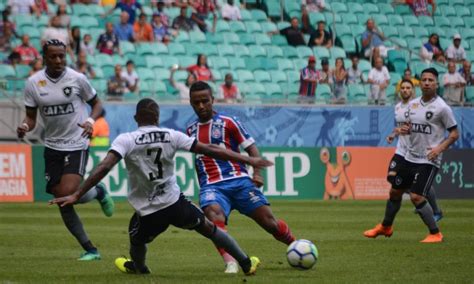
(36, 248)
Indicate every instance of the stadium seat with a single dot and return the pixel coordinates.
(245, 76)
(425, 21)
(442, 21)
(33, 32)
(176, 49)
(209, 49)
(357, 93)
(219, 62)
(447, 11)
(357, 30)
(145, 74)
(411, 20)
(380, 20)
(349, 19)
(222, 26)
(241, 51)
(349, 44)
(231, 38)
(300, 63)
(257, 89)
(403, 10)
(437, 30)
(258, 15)
(262, 39)
(182, 37)
(247, 39)
(253, 27)
(285, 64)
(237, 27)
(273, 91)
(162, 74)
(253, 64)
(100, 85)
(293, 76)
(215, 38)
(24, 20)
(88, 22)
(102, 60)
(304, 52)
(262, 76)
(274, 52)
(282, 25)
(169, 61)
(187, 60)
(332, 18)
(337, 52)
(467, 34)
(314, 18)
(390, 31)
(420, 32)
(143, 49)
(279, 40)
(197, 37)
(400, 42)
(278, 76)
(290, 52)
(469, 95)
(342, 30)
(268, 27)
(193, 49)
(246, 16)
(321, 52)
(127, 47)
(236, 63)
(257, 51)
(370, 8)
(323, 93)
(415, 44)
(22, 70)
(386, 9)
(457, 22)
(364, 65)
(356, 8)
(153, 61)
(338, 7)
(406, 33)
(225, 50)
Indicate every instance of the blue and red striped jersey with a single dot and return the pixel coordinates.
(226, 132)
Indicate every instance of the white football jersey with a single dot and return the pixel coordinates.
(429, 122)
(62, 104)
(401, 117)
(149, 158)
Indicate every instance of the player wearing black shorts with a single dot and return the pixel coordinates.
(428, 118)
(61, 95)
(155, 195)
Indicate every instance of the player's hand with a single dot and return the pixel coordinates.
(405, 129)
(87, 126)
(390, 138)
(259, 162)
(434, 153)
(257, 180)
(66, 200)
(21, 130)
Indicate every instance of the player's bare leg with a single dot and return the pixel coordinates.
(263, 215)
(68, 184)
(391, 209)
(425, 211)
(223, 240)
(216, 215)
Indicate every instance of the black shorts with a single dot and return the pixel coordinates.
(416, 178)
(182, 214)
(58, 163)
(397, 164)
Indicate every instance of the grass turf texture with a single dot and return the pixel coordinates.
(35, 246)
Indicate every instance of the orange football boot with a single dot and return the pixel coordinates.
(379, 230)
(433, 238)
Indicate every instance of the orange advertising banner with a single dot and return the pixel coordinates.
(16, 175)
(356, 172)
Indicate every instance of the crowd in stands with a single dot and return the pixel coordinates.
(133, 23)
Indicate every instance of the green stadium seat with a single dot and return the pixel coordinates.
(42, 21)
(417, 67)
(449, 33)
(447, 10)
(314, 18)
(274, 52)
(193, 49)
(304, 52)
(279, 40)
(390, 31)
(127, 47)
(332, 18)
(278, 76)
(102, 60)
(245, 14)
(169, 61)
(253, 27)
(300, 63)
(323, 93)
(273, 9)
(181, 75)
(285, 64)
(394, 78)
(357, 30)
(100, 85)
(254, 64)
(349, 19)
(356, 8)
(364, 65)
(257, 89)
(342, 30)
(356, 93)
(406, 32)
(176, 49)
(24, 21)
(282, 25)
(337, 52)
(437, 30)
(380, 20)
(257, 51)
(442, 21)
(425, 21)
(462, 12)
(370, 8)
(415, 44)
(349, 44)
(231, 38)
(262, 76)
(467, 34)
(222, 26)
(187, 60)
(215, 38)
(399, 66)
(145, 74)
(293, 76)
(241, 51)
(457, 22)
(397, 55)
(403, 10)
(145, 49)
(274, 91)
(269, 63)
(237, 27)
(469, 94)
(395, 20)
(290, 51)
(236, 63)
(245, 76)
(338, 7)
(197, 37)
(411, 20)
(420, 32)
(33, 32)
(268, 27)
(321, 52)
(400, 42)
(386, 9)
(258, 15)
(182, 37)
(217, 75)
(225, 50)
(139, 60)
(219, 62)
(247, 39)
(262, 39)
(88, 22)
(162, 74)
(209, 49)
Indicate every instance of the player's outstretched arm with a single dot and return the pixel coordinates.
(96, 176)
(219, 153)
(28, 123)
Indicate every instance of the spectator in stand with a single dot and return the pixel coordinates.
(293, 33)
(200, 69)
(129, 6)
(27, 52)
(202, 8)
(100, 131)
(372, 39)
(87, 45)
(454, 84)
(7, 32)
(181, 3)
(36, 65)
(42, 6)
(23, 7)
(340, 80)
(230, 12)
(354, 74)
(309, 79)
(321, 37)
(325, 75)
(83, 66)
(379, 80)
(13, 59)
(229, 92)
(407, 76)
(455, 51)
(75, 40)
(182, 88)
(143, 30)
(117, 86)
(108, 42)
(161, 32)
(465, 72)
(419, 7)
(55, 31)
(432, 51)
(165, 19)
(310, 6)
(131, 76)
(182, 22)
(123, 29)
(64, 18)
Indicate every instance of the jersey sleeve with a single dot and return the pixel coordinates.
(87, 92)
(30, 95)
(121, 145)
(181, 141)
(239, 133)
(448, 118)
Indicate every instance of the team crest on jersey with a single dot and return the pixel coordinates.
(429, 115)
(67, 91)
(407, 114)
(42, 83)
(216, 133)
(393, 164)
(398, 180)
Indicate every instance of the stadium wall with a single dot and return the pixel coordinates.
(299, 173)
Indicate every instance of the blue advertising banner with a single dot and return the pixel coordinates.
(295, 126)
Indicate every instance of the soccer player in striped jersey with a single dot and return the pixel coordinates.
(428, 118)
(227, 185)
(61, 96)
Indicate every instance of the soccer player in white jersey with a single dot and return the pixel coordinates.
(428, 118)
(61, 95)
(149, 158)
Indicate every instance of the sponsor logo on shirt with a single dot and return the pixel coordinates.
(153, 137)
(56, 110)
(414, 106)
(421, 128)
(42, 83)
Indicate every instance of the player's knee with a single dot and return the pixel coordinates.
(396, 194)
(214, 214)
(416, 198)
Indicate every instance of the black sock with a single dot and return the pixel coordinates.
(391, 210)
(426, 213)
(431, 197)
(138, 254)
(74, 225)
(88, 246)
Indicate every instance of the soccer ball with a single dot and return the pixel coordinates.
(302, 254)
